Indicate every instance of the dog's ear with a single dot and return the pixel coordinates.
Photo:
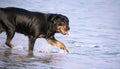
(51, 17)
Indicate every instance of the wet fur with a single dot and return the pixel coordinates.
(32, 24)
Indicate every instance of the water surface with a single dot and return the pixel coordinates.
(93, 41)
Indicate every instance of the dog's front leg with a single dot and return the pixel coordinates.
(31, 43)
(57, 43)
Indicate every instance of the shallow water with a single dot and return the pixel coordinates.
(93, 41)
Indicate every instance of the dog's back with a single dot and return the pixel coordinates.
(20, 19)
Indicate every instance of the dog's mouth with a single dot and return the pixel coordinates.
(63, 30)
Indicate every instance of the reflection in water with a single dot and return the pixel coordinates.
(20, 60)
(7, 52)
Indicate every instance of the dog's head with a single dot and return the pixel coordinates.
(60, 23)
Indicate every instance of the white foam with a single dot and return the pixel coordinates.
(18, 47)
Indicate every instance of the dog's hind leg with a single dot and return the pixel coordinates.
(10, 31)
(9, 38)
(9, 28)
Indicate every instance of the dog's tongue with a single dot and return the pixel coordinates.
(64, 32)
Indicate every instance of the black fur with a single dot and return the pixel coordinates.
(32, 24)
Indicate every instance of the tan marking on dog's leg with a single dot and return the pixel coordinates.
(9, 43)
(57, 43)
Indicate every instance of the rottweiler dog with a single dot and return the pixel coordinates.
(34, 25)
